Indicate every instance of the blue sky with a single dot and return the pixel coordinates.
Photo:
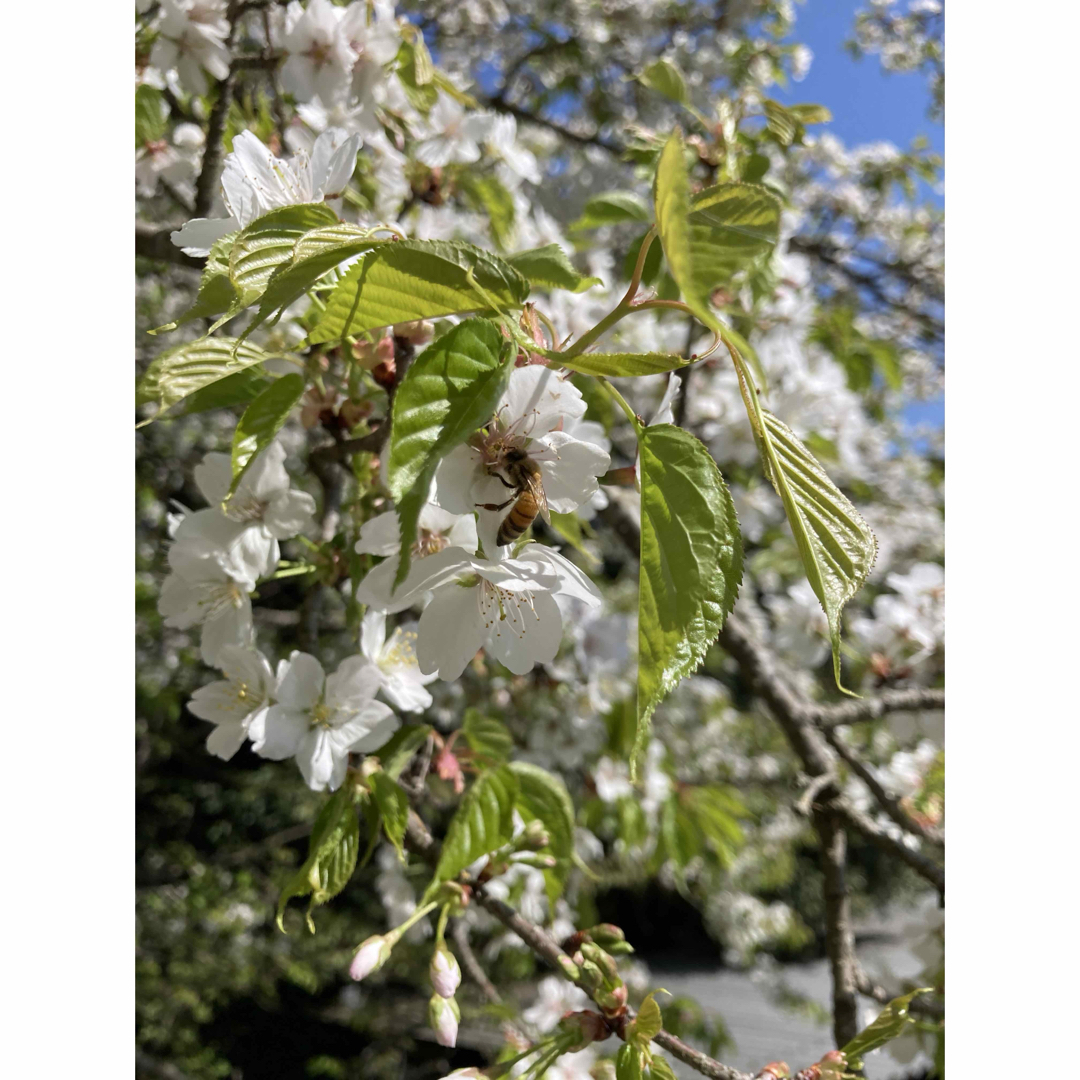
(867, 103)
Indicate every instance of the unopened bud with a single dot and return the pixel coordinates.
(592, 978)
(585, 1026)
(606, 934)
(775, 1070)
(444, 971)
(370, 956)
(832, 1066)
(569, 968)
(443, 1015)
(371, 356)
(613, 1000)
(535, 836)
(605, 963)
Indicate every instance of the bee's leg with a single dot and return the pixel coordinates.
(497, 506)
(502, 480)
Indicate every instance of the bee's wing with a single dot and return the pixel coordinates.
(536, 486)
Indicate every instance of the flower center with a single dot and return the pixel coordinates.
(320, 716)
(429, 542)
(401, 650)
(218, 596)
(503, 611)
(246, 510)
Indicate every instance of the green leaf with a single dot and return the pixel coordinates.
(628, 1062)
(549, 267)
(487, 195)
(417, 279)
(780, 123)
(573, 530)
(449, 391)
(314, 254)
(216, 293)
(262, 420)
(483, 823)
(648, 1023)
(399, 749)
(890, 1023)
(416, 74)
(665, 78)
(659, 1069)
(236, 389)
(623, 364)
(267, 243)
(543, 795)
(331, 859)
(715, 811)
(709, 238)
(487, 736)
(691, 563)
(835, 544)
(189, 367)
(393, 806)
(810, 114)
(679, 833)
(612, 208)
(151, 117)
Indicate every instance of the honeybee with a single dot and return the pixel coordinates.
(526, 481)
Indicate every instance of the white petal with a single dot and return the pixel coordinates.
(341, 167)
(199, 235)
(359, 727)
(373, 634)
(315, 756)
(380, 536)
(303, 683)
(424, 576)
(231, 626)
(571, 580)
(355, 682)
(450, 632)
(226, 739)
(570, 479)
(454, 479)
(266, 477)
(213, 475)
(216, 702)
(376, 739)
(283, 730)
(542, 398)
(290, 514)
(408, 694)
(179, 602)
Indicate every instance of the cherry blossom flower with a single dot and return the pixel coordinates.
(502, 142)
(237, 704)
(263, 510)
(209, 587)
(453, 134)
(373, 43)
(175, 162)
(402, 681)
(191, 37)
(254, 181)
(507, 608)
(319, 719)
(532, 416)
(320, 61)
(436, 530)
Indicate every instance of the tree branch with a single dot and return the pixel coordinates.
(500, 104)
(210, 172)
(873, 708)
(887, 802)
(419, 839)
(839, 936)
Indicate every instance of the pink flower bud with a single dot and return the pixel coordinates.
(443, 1015)
(444, 971)
(370, 956)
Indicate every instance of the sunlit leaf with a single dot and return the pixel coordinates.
(544, 796)
(417, 279)
(617, 365)
(393, 806)
(665, 78)
(691, 563)
(175, 374)
(889, 1024)
(262, 420)
(549, 267)
(449, 391)
(483, 822)
(486, 736)
(612, 208)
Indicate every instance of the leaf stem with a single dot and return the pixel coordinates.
(622, 403)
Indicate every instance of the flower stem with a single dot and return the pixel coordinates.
(414, 918)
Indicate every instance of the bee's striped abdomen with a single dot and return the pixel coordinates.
(521, 516)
